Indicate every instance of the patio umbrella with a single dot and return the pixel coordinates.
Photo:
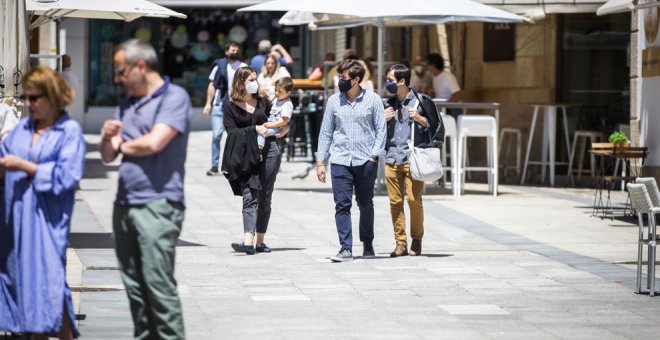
(382, 13)
(15, 27)
(14, 45)
(127, 10)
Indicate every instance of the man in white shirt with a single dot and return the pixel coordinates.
(217, 93)
(445, 85)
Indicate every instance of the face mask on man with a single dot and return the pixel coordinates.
(391, 86)
(252, 87)
(345, 85)
(234, 56)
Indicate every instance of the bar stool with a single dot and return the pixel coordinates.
(549, 139)
(451, 135)
(583, 136)
(516, 136)
(478, 126)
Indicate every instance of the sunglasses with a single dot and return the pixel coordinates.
(31, 98)
(120, 72)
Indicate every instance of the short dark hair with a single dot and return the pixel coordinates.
(354, 68)
(435, 60)
(232, 44)
(401, 71)
(286, 83)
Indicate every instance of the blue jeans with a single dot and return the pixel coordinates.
(344, 180)
(218, 127)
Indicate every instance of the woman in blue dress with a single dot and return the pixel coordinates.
(42, 162)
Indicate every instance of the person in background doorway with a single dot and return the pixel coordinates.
(445, 85)
(217, 94)
(42, 162)
(150, 130)
(266, 47)
(317, 72)
(69, 76)
(421, 80)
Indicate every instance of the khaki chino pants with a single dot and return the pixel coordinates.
(399, 181)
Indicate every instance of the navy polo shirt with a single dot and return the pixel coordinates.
(146, 179)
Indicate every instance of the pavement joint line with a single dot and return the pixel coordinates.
(474, 309)
(610, 272)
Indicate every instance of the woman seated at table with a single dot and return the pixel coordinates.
(270, 73)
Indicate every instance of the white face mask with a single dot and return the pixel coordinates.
(252, 87)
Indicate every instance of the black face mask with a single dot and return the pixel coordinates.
(345, 85)
(234, 56)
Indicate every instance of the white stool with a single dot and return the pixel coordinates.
(582, 137)
(478, 126)
(452, 135)
(514, 133)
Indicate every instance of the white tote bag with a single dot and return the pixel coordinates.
(425, 163)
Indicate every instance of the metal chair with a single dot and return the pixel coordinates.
(641, 202)
(651, 188)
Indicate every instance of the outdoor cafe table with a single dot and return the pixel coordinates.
(625, 154)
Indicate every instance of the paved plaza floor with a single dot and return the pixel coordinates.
(531, 263)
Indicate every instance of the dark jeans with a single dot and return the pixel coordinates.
(256, 202)
(344, 179)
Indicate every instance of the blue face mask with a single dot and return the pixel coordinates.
(391, 86)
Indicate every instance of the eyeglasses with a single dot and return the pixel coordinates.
(120, 72)
(32, 98)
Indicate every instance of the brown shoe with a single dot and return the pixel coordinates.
(400, 250)
(416, 247)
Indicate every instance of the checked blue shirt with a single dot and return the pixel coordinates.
(352, 133)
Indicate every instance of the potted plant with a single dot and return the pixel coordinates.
(618, 138)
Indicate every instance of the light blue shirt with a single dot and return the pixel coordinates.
(352, 132)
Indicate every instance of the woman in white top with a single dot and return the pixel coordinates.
(270, 72)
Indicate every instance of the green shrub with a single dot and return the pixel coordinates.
(618, 138)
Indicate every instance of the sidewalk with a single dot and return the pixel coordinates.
(530, 263)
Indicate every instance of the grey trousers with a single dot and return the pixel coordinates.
(145, 240)
(256, 202)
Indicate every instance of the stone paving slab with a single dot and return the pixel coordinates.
(530, 263)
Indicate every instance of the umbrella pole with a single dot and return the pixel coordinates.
(381, 56)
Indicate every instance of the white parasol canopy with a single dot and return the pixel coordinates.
(13, 45)
(381, 13)
(127, 10)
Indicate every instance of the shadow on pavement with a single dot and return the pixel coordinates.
(104, 241)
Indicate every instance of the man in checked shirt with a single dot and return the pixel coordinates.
(352, 138)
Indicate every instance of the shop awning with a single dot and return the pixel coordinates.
(618, 6)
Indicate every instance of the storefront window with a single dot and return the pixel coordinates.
(594, 69)
(186, 48)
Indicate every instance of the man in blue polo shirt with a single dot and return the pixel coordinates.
(150, 130)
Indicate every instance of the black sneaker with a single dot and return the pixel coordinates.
(368, 250)
(344, 255)
(263, 248)
(243, 248)
(212, 172)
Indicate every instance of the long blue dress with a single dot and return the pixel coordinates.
(35, 226)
